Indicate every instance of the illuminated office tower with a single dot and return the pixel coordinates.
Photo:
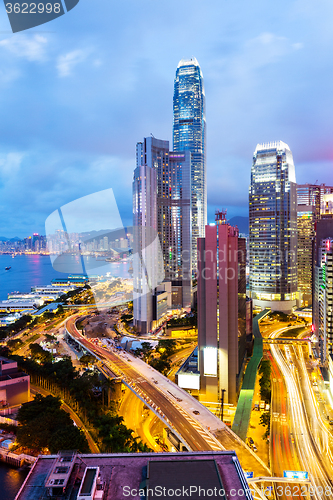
(273, 227)
(173, 213)
(323, 297)
(145, 264)
(313, 202)
(316, 196)
(306, 218)
(221, 311)
(189, 134)
(322, 302)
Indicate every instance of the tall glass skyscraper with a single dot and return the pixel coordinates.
(147, 268)
(189, 134)
(273, 227)
(173, 207)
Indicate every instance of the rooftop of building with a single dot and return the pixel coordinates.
(188, 62)
(127, 475)
(12, 376)
(266, 146)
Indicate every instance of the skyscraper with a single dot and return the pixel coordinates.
(306, 218)
(146, 265)
(322, 303)
(314, 195)
(273, 227)
(221, 311)
(313, 202)
(189, 134)
(173, 206)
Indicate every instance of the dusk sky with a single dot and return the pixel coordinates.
(77, 94)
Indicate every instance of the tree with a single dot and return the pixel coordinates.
(167, 346)
(44, 425)
(161, 364)
(50, 338)
(38, 353)
(265, 419)
(115, 436)
(265, 380)
(87, 359)
(145, 350)
(39, 405)
(14, 343)
(68, 438)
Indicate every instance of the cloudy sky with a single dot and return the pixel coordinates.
(76, 95)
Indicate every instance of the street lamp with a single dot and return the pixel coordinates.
(222, 402)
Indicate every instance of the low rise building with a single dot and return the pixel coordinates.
(137, 475)
(14, 384)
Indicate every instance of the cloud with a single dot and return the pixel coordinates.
(67, 62)
(34, 183)
(30, 48)
(10, 165)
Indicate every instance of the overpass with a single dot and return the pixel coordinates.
(286, 341)
(193, 424)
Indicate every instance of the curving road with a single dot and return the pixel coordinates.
(193, 437)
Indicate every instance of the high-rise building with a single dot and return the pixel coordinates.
(189, 134)
(323, 297)
(316, 196)
(221, 311)
(306, 218)
(273, 227)
(173, 205)
(145, 253)
(313, 202)
(322, 308)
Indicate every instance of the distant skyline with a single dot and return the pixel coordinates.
(78, 94)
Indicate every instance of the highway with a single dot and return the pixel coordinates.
(191, 435)
(292, 441)
(139, 420)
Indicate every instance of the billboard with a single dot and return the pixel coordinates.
(210, 361)
(189, 380)
(296, 474)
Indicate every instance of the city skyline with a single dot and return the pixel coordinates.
(69, 125)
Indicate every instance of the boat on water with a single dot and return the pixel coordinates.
(7, 268)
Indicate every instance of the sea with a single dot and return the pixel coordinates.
(11, 480)
(33, 270)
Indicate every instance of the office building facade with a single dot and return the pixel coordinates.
(146, 256)
(221, 311)
(316, 196)
(173, 205)
(322, 300)
(189, 134)
(313, 202)
(306, 219)
(273, 227)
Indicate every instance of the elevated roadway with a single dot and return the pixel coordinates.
(191, 422)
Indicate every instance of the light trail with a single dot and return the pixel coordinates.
(306, 448)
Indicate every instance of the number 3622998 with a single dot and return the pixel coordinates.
(32, 8)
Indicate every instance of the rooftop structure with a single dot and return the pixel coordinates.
(139, 475)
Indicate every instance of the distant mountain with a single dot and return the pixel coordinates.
(3, 238)
(241, 222)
